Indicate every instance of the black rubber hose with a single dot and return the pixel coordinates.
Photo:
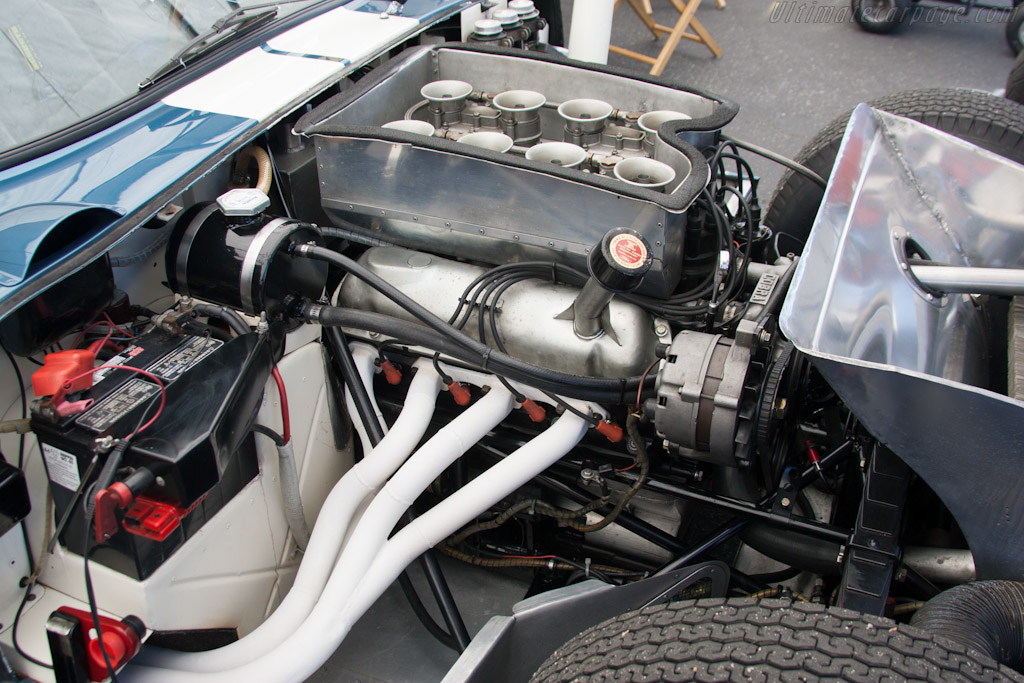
(985, 615)
(595, 389)
(792, 548)
(232, 318)
(423, 615)
(445, 601)
(347, 367)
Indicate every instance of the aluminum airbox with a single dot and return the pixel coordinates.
(436, 194)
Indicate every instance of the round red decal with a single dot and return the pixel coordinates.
(628, 251)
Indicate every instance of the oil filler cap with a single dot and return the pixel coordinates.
(620, 261)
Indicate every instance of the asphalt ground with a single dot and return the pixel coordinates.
(794, 65)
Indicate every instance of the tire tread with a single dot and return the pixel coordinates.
(991, 122)
(766, 640)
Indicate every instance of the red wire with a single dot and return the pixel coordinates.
(163, 392)
(81, 334)
(123, 331)
(626, 469)
(286, 426)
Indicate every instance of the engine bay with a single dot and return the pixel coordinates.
(501, 307)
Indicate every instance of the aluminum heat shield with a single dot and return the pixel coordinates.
(908, 363)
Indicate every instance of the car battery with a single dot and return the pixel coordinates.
(199, 448)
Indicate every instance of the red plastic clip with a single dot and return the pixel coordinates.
(115, 497)
(536, 412)
(58, 368)
(460, 393)
(611, 431)
(392, 374)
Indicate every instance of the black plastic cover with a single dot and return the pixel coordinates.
(200, 448)
(14, 501)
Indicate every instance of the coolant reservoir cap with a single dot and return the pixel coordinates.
(243, 201)
(621, 260)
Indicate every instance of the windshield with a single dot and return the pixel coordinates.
(62, 61)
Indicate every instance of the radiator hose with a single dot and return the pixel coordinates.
(783, 545)
(986, 615)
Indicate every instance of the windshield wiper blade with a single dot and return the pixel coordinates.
(232, 25)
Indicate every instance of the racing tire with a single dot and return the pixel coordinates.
(1015, 81)
(1015, 29)
(879, 16)
(766, 640)
(991, 122)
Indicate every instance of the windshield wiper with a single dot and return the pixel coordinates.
(234, 24)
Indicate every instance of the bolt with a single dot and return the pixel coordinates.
(374, 335)
(447, 224)
(587, 474)
(160, 481)
(515, 238)
(786, 502)
(765, 337)
(103, 444)
(551, 244)
(661, 330)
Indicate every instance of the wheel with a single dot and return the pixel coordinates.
(1015, 29)
(767, 640)
(879, 16)
(980, 118)
(1015, 81)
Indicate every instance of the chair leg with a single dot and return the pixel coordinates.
(685, 17)
(645, 16)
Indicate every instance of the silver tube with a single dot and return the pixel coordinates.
(587, 309)
(941, 565)
(970, 280)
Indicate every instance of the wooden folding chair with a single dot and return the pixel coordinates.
(687, 20)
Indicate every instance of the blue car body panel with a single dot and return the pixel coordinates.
(123, 168)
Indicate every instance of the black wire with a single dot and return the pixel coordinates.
(779, 159)
(91, 597)
(269, 433)
(14, 629)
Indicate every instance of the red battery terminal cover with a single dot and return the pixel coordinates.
(121, 640)
(58, 368)
(152, 519)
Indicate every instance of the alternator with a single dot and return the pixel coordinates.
(704, 406)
